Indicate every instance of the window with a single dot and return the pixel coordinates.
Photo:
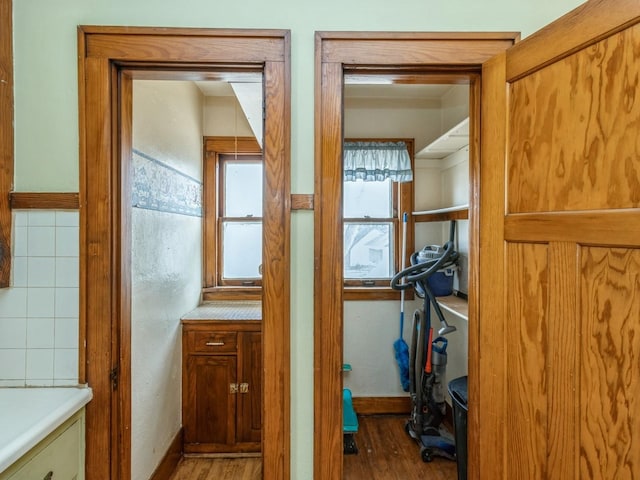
(372, 215)
(233, 172)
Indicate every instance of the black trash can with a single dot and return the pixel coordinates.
(459, 399)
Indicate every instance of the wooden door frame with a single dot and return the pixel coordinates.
(107, 58)
(411, 57)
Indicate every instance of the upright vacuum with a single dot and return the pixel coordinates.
(428, 356)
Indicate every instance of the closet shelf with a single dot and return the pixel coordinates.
(451, 141)
(456, 305)
(460, 212)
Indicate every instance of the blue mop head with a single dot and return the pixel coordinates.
(402, 357)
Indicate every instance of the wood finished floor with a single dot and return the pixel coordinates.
(385, 453)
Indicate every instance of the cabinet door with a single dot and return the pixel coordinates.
(210, 418)
(250, 403)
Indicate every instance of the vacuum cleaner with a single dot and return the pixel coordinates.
(428, 356)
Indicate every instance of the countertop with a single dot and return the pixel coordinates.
(228, 310)
(28, 415)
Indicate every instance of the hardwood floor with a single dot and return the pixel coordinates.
(385, 452)
(191, 468)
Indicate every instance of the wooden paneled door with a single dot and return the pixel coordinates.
(557, 384)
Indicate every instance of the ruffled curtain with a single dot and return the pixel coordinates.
(376, 161)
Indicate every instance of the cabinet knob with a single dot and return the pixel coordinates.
(48, 476)
(244, 388)
(233, 388)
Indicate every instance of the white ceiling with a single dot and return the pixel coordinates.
(404, 91)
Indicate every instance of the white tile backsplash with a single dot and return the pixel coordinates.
(41, 241)
(65, 363)
(41, 271)
(67, 300)
(66, 333)
(19, 271)
(42, 218)
(40, 332)
(41, 302)
(39, 313)
(13, 302)
(67, 219)
(67, 272)
(20, 218)
(67, 241)
(13, 332)
(20, 241)
(40, 364)
(12, 363)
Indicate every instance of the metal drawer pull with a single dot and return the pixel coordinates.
(214, 344)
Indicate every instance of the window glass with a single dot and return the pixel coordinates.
(243, 189)
(367, 199)
(242, 253)
(368, 250)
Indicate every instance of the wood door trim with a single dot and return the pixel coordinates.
(597, 20)
(6, 137)
(103, 56)
(44, 201)
(391, 53)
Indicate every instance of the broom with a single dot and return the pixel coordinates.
(400, 346)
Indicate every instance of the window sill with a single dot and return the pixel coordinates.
(374, 293)
(231, 293)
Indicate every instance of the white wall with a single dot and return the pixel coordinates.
(45, 43)
(166, 268)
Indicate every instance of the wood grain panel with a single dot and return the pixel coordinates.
(175, 48)
(417, 48)
(604, 227)
(577, 29)
(576, 153)
(276, 436)
(328, 279)
(301, 201)
(95, 265)
(6, 137)
(562, 362)
(526, 340)
(44, 200)
(610, 385)
(527, 348)
(487, 388)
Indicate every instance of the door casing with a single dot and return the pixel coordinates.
(109, 59)
(401, 57)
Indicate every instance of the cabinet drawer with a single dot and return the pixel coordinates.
(213, 342)
(61, 459)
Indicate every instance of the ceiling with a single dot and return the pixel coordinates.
(404, 91)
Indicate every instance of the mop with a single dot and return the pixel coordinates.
(400, 346)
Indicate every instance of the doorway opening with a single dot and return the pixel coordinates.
(386, 58)
(110, 59)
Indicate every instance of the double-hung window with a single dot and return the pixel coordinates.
(372, 221)
(233, 172)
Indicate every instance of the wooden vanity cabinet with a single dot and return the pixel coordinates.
(221, 386)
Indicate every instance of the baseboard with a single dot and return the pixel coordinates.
(391, 406)
(382, 405)
(170, 460)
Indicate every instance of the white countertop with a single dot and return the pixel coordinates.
(28, 415)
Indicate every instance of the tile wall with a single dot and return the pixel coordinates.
(39, 312)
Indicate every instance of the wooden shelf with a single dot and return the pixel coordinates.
(460, 212)
(454, 304)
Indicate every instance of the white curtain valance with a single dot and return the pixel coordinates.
(376, 161)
